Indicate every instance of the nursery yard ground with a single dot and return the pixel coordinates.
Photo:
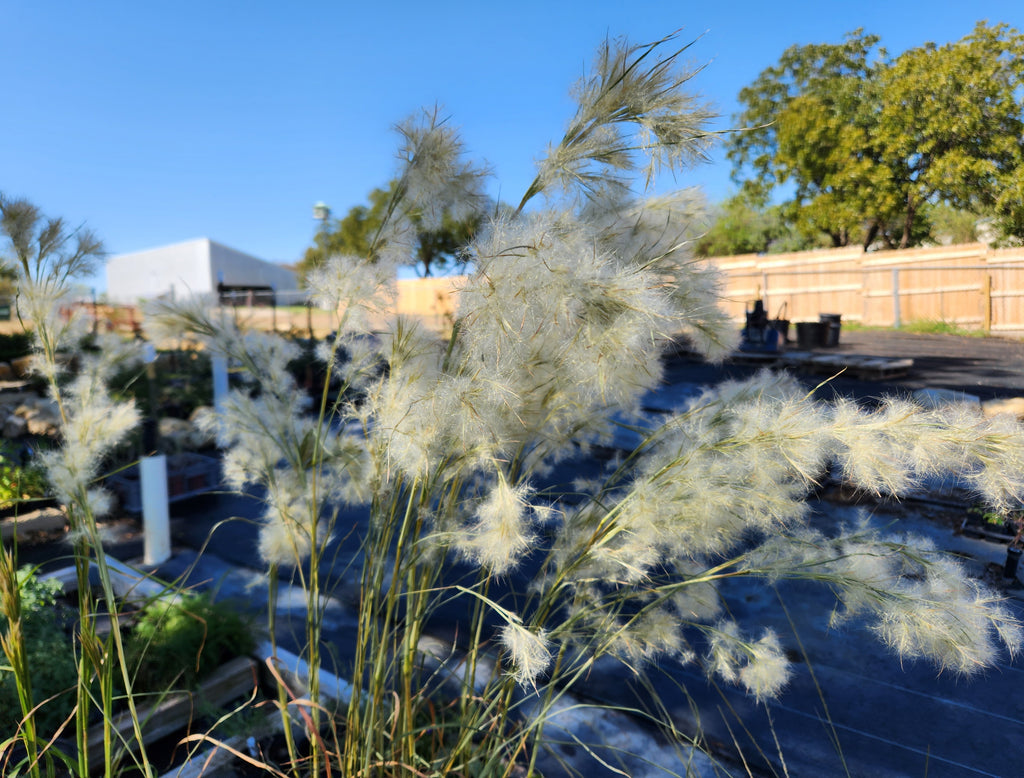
(851, 707)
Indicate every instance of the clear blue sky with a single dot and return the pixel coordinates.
(161, 122)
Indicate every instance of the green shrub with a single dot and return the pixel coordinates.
(19, 482)
(14, 345)
(179, 641)
(184, 383)
(51, 658)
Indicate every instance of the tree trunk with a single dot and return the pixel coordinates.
(908, 222)
(840, 239)
(871, 234)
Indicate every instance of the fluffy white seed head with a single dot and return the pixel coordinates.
(528, 652)
(760, 666)
(501, 530)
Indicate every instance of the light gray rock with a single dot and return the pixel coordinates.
(14, 427)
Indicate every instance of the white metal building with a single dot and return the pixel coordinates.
(194, 267)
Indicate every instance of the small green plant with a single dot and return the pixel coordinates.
(179, 640)
(1010, 520)
(43, 254)
(49, 654)
(19, 481)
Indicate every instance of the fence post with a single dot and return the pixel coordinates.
(896, 322)
(987, 292)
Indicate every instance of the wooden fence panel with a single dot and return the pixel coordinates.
(967, 285)
(431, 300)
(945, 283)
(1006, 300)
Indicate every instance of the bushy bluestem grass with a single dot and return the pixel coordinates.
(561, 326)
(43, 255)
(453, 443)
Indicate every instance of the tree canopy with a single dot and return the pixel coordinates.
(432, 249)
(739, 226)
(869, 144)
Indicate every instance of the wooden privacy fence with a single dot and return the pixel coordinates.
(430, 300)
(971, 286)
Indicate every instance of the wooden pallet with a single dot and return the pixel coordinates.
(863, 366)
(879, 368)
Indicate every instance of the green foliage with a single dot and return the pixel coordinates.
(939, 327)
(739, 226)
(19, 481)
(870, 142)
(432, 250)
(14, 345)
(352, 234)
(50, 656)
(953, 226)
(184, 382)
(179, 640)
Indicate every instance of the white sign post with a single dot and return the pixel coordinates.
(156, 524)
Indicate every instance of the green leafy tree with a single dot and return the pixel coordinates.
(950, 126)
(401, 226)
(432, 250)
(739, 226)
(810, 121)
(352, 234)
(868, 143)
(952, 226)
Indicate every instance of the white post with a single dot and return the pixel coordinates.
(156, 524)
(220, 381)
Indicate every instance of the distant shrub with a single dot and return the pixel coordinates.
(14, 345)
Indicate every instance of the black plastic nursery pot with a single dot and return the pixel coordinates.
(808, 334)
(830, 326)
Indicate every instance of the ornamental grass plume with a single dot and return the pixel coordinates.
(452, 444)
(43, 255)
